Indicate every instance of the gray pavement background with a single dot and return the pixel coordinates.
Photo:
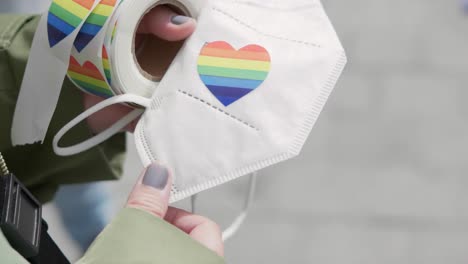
(382, 178)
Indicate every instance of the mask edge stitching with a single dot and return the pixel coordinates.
(145, 145)
(156, 103)
(174, 189)
(239, 172)
(318, 105)
(293, 150)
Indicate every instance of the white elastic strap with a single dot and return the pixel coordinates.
(236, 224)
(193, 203)
(106, 134)
(239, 220)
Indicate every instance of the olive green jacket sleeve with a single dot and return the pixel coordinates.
(133, 236)
(136, 236)
(36, 165)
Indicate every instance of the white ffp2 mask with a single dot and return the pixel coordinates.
(243, 93)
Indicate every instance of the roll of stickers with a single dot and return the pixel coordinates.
(91, 42)
(89, 67)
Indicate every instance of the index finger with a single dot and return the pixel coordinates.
(198, 227)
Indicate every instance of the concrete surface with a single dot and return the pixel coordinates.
(382, 178)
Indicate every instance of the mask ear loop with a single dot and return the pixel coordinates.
(193, 203)
(106, 134)
(239, 220)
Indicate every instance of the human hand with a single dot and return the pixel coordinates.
(151, 194)
(162, 22)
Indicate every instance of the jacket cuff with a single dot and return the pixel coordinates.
(136, 236)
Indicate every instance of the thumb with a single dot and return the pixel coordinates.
(151, 192)
(167, 24)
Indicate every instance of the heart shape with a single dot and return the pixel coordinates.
(89, 78)
(231, 74)
(64, 17)
(94, 23)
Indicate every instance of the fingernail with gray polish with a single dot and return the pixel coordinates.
(179, 20)
(156, 176)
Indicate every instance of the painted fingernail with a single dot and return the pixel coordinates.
(179, 20)
(156, 176)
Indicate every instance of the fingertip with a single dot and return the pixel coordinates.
(205, 231)
(209, 234)
(157, 175)
(167, 24)
(217, 244)
(178, 32)
(152, 191)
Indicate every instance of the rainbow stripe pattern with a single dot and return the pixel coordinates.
(88, 78)
(106, 65)
(64, 17)
(113, 32)
(231, 74)
(94, 23)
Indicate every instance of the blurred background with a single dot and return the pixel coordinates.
(382, 178)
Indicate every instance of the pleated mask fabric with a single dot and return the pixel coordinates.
(243, 93)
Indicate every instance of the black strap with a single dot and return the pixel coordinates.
(49, 252)
(22, 224)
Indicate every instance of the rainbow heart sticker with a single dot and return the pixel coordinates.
(94, 23)
(88, 78)
(64, 17)
(232, 74)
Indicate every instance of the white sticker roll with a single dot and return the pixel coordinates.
(94, 46)
(127, 76)
(88, 67)
(47, 65)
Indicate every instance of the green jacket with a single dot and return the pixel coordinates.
(134, 236)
